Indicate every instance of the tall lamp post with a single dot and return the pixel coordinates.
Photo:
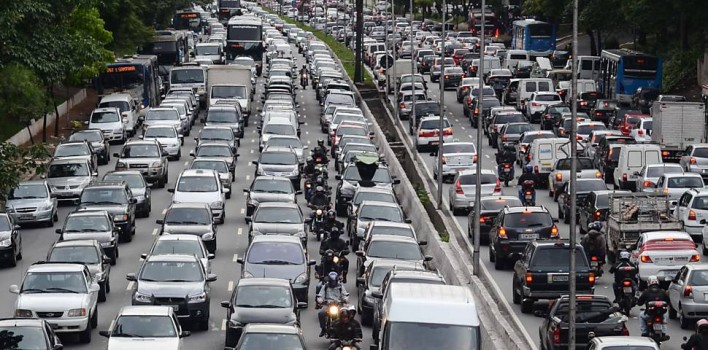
(442, 106)
(573, 179)
(478, 181)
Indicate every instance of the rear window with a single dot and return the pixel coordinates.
(699, 278)
(583, 163)
(685, 182)
(658, 171)
(603, 201)
(589, 186)
(634, 158)
(518, 57)
(471, 179)
(509, 118)
(518, 128)
(700, 203)
(548, 98)
(700, 152)
(557, 259)
(524, 220)
(499, 204)
(545, 151)
(433, 124)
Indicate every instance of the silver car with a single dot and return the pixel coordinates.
(164, 116)
(92, 224)
(456, 156)
(292, 142)
(695, 159)
(218, 134)
(686, 293)
(68, 177)
(674, 185)
(370, 211)
(183, 244)
(89, 253)
(462, 194)
(650, 173)
(168, 137)
(192, 219)
(218, 165)
(279, 161)
(217, 150)
(32, 202)
(147, 157)
(560, 174)
(201, 186)
(266, 189)
(76, 150)
(276, 218)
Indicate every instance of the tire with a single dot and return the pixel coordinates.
(672, 313)
(102, 293)
(498, 263)
(515, 298)
(367, 320)
(108, 286)
(85, 336)
(686, 323)
(13, 261)
(492, 257)
(203, 324)
(228, 195)
(705, 250)
(527, 306)
(94, 319)
(55, 217)
(566, 217)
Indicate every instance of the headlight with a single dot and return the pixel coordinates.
(301, 234)
(142, 298)
(6, 242)
(121, 217)
(253, 202)
(99, 276)
(217, 205)
(118, 165)
(199, 298)
(208, 236)
(77, 312)
(319, 212)
(47, 206)
(23, 313)
(247, 275)
(235, 324)
(302, 278)
(118, 131)
(333, 310)
(156, 165)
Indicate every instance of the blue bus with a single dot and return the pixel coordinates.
(624, 71)
(136, 75)
(536, 37)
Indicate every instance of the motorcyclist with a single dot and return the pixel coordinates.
(526, 180)
(594, 241)
(346, 328)
(309, 168)
(337, 245)
(331, 221)
(621, 274)
(320, 150)
(303, 76)
(319, 199)
(698, 341)
(652, 293)
(506, 156)
(333, 291)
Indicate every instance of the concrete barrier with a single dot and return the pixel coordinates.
(23, 137)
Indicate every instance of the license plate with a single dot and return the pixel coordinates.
(506, 170)
(560, 278)
(627, 289)
(434, 143)
(26, 217)
(593, 263)
(658, 327)
(528, 236)
(529, 197)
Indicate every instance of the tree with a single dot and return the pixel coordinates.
(21, 95)
(16, 162)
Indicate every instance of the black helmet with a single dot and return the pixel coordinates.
(320, 142)
(509, 148)
(329, 253)
(335, 232)
(331, 214)
(309, 160)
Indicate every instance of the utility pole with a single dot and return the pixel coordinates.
(442, 107)
(358, 69)
(412, 117)
(573, 179)
(478, 184)
(395, 58)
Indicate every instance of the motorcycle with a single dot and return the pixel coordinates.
(317, 223)
(341, 344)
(596, 265)
(507, 173)
(331, 316)
(656, 323)
(303, 80)
(628, 298)
(528, 192)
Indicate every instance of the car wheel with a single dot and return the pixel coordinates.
(108, 286)
(179, 155)
(492, 256)
(114, 258)
(102, 293)
(19, 253)
(94, 319)
(13, 261)
(705, 250)
(367, 319)
(515, 298)
(203, 324)
(527, 306)
(672, 313)
(55, 217)
(85, 336)
(498, 262)
(685, 322)
(566, 217)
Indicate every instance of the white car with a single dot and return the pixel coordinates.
(145, 328)
(201, 186)
(662, 254)
(692, 210)
(109, 121)
(456, 156)
(586, 128)
(621, 342)
(128, 107)
(650, 173)
(428, 134)
(674, 185)
(642, 132)
(168, 137)
(64, 294)
(538, 102)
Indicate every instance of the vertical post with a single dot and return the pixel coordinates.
(395, 58)
(358, 68)
(387, 68)
(573, 177)
(478, 184)
(412, 117)
(442, 107)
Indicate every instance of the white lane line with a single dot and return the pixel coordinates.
(231, 286)
(486, 156)
(305, 124)
(251, 151)
(154, 231)
(248, 177)
(463, 128)
(223, 325)
(253, 140)
(164, 211)
(304, 110)
(235, 257)
(245, 194)
(130, 285)
(240, 231)
(243, 210)
(307, 132)
(308, 142)
(186, 163)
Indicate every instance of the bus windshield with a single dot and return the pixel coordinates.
(540, 30)
(639, 66)
(244, 32)
(121, 77)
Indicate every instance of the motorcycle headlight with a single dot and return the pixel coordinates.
(77, 312)
(199, 298)
(217, 205)
(118, 166)
(23, 313)
(208, 236)
(156, 165)
(333, 310)
(120, 217)
(142, 298)
(318, 212)
(302, 278)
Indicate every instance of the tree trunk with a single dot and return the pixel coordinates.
(29, 131)
(56, 111)
(591, 35)
(599, 42)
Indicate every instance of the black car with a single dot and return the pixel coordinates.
(542, 273)
(350, 179)
(259, 300)
(10, 239)
(583, 187)
(603, 110)
(29, 333)
(490, 208)
(484, 109)
(551, 116)
(117, 199)
(586, 101)
(559, 58)
(138, 186)
(514, 227)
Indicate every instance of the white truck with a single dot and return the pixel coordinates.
(231, 82)
(676, 125)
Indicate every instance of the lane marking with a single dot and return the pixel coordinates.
(154, 231)
(164, 211)
(186, 163)
(230, 288)
(235, 257)
(223, 324)
(243, 210)
(253, 140)
(463, 128)
(240, 231)
(130, 285)
(251, 151)
(248, 177)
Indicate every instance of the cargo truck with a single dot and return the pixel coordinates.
(676, 125)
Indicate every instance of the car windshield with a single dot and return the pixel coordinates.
(378, 274)
(182, 76)
(228, 91)
(104, 196)
(259, 341)
(381, 175)
(559, 110)
(28, 191)
(471, 179)
(528, 220)
(141, 151)
(548, 98)
(104, 117)
(459, 148)
(134, 181)
(351, 130)
(582, 164)
(160, 133)
(284, 142)
(278, 158)
(5, 223)
(380, 213)
(162, 115)
(197, 184)
(54, 282)
(666, 169)
(685, 182)
(374, 196)
(500, 203)
(188, 216)
(278, 215)
(587, 310)
(591, 185)
(68, 170)
(180, 247)
(87, 223)
(144, 326)
(279, 129)
(91, 136)
(217, 116)
(586, 129)
(422, 336)
(219, 165)
(276, 253)
(207, 50)
(214, 151)
(23, 338)
(427, 108)
(406, 231)
(217, 134)
(71, 150)
(394, 250)
(272, 186)
(172, 271)
(557, 259)
(77, 254)
(263, 297)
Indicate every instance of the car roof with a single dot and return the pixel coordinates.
(196, 172)
(216, 127)
(279, 282)
(276, 238)
(178, 237)
(684, 174)
(271, 328)
(32, 182)
(189, 205)
(378, 204)
(171, 257)
(380, 223)
(626, 341)
(489, 198)
(393, 238)
(145, 310)
(374, 190)
(658, 235)
(270, 178)
(474, 171)
(56, 267)
(141, 142)
(69, 160)
(403, 264)
(536, 209)
(77, 243)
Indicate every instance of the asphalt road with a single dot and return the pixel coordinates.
(465, 133)
(232, 242)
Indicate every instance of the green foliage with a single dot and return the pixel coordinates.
(21, 97)
(16, 162)
(444, 236)
(422, 195)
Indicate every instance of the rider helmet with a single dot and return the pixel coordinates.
(595, 225)
(528, 169)
(335, 232)
(701, 325)
(319, 189)
(331, 214)
(625, 255)
(652, 281)
(332, 279)
(320, 142)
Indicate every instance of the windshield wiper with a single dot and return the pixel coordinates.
(103, 203)
(127, 335)
(177, 280)
(269, 306)
(276, 262)
(185, 223)
(66, 290)
(34, 290)
(274, 191)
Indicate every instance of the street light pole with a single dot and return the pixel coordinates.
(393, 51)
(478, 180)
(442, 107)
(573, 179)
(412, 117)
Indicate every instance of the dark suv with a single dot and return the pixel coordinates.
(542, 273)
(117, 199)
(607, 154)
(514, 227)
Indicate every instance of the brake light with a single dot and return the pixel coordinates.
(497, 188)
(645, 259)
(625, 331)
(693, 160)
(447, 76)
(626, 283)
(624, 177)
(475, 158)
(640, 132)
(458, 188)
(535, 104)
(583, 103)
(688, 291)
(666, 154)
(578, 137)
(692, 215)
(598, 113)
(591, 278)
(598, 174)
(554, 232)
(556, 335)
(598, 214)
(474, 68)
(447, 132)
(464, 75)
(465, 88)
(502, 234)
(402, 105)
(476, 111)
(481, 219)
(648, 184)
(594, 258)
(695, 258)
(529, 278)
(559, 177)
(469, 102)
(535, 169)
(504, 138)
(658, 319)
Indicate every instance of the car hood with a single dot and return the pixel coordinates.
(269, 228)
(246, 315)
(286, 272)
(196, 197)
(120, 343)
(262, 197)
(101, 237)
(25, 203)
(188, 229)
(61, 182)
(111, 209)
(273, 168)
(170, 289)
(47, 302)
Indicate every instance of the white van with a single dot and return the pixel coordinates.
(129, 110)
(428, 316)
(543, 153)
(529, 86)
(588, 67)
(513, 57)
(631, 160)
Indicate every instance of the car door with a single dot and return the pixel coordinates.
(682, 206)
(93, 293)
(676, 287)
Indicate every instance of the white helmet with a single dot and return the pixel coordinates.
(625, 255)
(652, 280)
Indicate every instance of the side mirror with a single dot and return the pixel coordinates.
(133, 201)
(131, 277)
(301, 305)
(225, 190)
(396, 181)
(165, 154)
(191, 153)
(312, 263)
(239, 260)
(298, 192)
(360, 281)
(14, 289)
(160, 221)
(428, 258)
(556, 220)
(171, 190)
(211, 277)
(59, 231)
(143, 256)
(106, 334)
(141, 136)
(248, 219)
(359, 253)
(246, 190)
(185, 334)
(422, 242)
(117, 155)
(226, 304)
(337, 177)
(408, 221)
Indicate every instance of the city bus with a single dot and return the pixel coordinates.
(624, 71)
(136, 75)
(189, 20)
(536, 37)
(170, 46)
(244, 37)
(227, 9)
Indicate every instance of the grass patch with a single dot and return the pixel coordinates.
(9, 128)
(422, 195)
(444, 236)
(345, 55)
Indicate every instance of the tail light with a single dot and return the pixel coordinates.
(529, 278)
(626, 283)
(458, 188)
(447, 132)
(583, 103)
(535, 104)
(640, 132)
(658, 319)
(474, 68)
(497, 187)
(447, 76)
(598, 174)
(625, 331)
(693, 160)
(594, 258)
(598, 214)
(645, 259)
(469, 102)
(504, 138)
(692, 215)
(624, 177)
(578, 137)
(666, 154)
(598, 113)
(481, 219)
(502, 234)
(559, 177)
(688, 291)
(464, 75)
(465, 88)
(476, 111)
(535, 169)
(554, 232)
(556, 335)
(475, 158)
(402, 105)
(648, 184)
(695, 258)
(443, 159)
(591, 278)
